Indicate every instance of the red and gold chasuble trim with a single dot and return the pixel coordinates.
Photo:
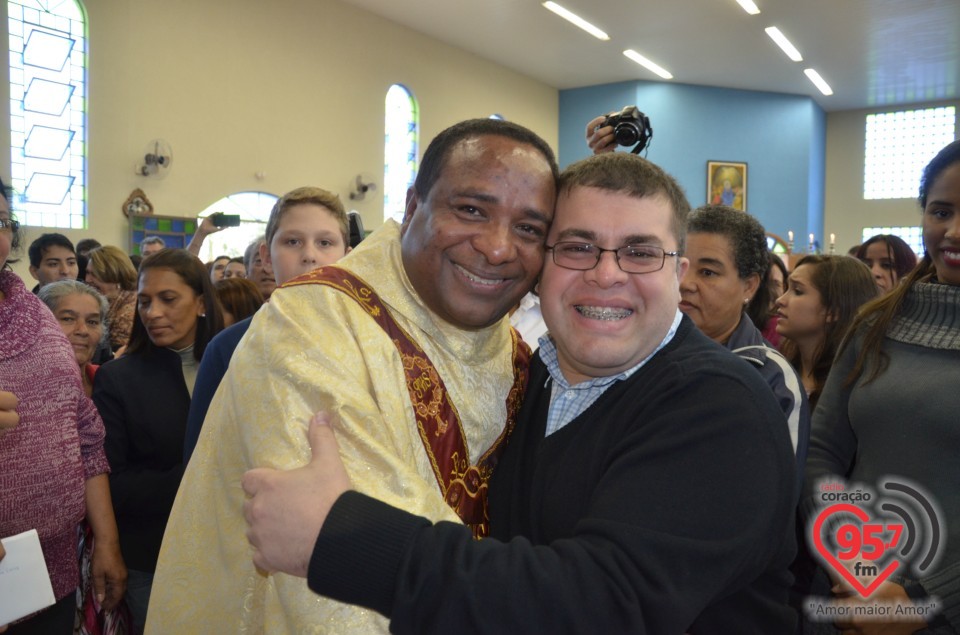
(462, 483)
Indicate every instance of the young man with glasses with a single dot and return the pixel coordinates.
(647, 487)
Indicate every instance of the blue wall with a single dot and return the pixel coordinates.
(782, 138)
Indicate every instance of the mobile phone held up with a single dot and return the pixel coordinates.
(226, 220)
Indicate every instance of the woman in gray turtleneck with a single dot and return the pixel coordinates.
(144, 398)
(891, 404)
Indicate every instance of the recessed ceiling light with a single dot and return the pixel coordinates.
(818, 81)
(576, 20)
(784, 43)
(749, 6)
(647, 64)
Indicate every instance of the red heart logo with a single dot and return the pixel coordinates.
(857, 541)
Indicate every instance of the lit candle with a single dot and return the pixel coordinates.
(811, 240)
(833, 242)
(790, 236)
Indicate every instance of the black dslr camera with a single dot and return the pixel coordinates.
(630, 127)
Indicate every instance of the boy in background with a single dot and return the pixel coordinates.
(307, 229)
(52, 258)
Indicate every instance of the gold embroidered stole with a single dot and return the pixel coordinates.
(462, 483)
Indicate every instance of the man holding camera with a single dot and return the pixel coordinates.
(629, 127)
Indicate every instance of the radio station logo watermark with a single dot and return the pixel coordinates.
(864, 537)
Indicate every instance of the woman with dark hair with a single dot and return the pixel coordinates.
(889, 408)
(777, 283)
(216, 267)
(823, 296)
(727, 276)
(889, 258)
(144, 398)
(54, 455)
(235, 269)
(239, 297)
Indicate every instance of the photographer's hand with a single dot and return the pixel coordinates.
(204, 229)
(600, 139)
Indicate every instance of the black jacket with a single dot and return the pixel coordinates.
(144, 402)
(665, 508)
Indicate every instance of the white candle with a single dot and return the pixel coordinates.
(790, 235)
(811, 239)
(833, 239)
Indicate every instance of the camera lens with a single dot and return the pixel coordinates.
(627, 133)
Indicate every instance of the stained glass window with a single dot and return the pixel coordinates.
(253, 209)
(47, 111)
(401, 132)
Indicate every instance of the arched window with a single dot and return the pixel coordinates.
(254, 210)
(401, 132)
(48, 54)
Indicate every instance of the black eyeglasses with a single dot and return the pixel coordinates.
(630, 258)
(8, 224)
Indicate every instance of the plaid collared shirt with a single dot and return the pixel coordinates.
(568, 402)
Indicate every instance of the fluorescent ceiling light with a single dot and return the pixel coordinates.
(647, 64)
(818, 81)
(749, 6)
(784, 43)
(576, 20)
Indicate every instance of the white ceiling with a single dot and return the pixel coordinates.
(873, 53)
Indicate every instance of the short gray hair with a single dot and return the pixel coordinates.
(152, 240)
(250, 254)
(51, 295)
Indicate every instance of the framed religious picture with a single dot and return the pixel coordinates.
(727, 184)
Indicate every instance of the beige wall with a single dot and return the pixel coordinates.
(294, 89)
(846, 213)
(290, 88)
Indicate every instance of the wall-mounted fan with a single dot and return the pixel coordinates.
(157, 159)
(361, 185)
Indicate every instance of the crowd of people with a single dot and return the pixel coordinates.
(191, 440)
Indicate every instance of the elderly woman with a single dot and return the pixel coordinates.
(82, 314)
(728, 257)
(144, 398)
(58, 442)
(111, 272)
